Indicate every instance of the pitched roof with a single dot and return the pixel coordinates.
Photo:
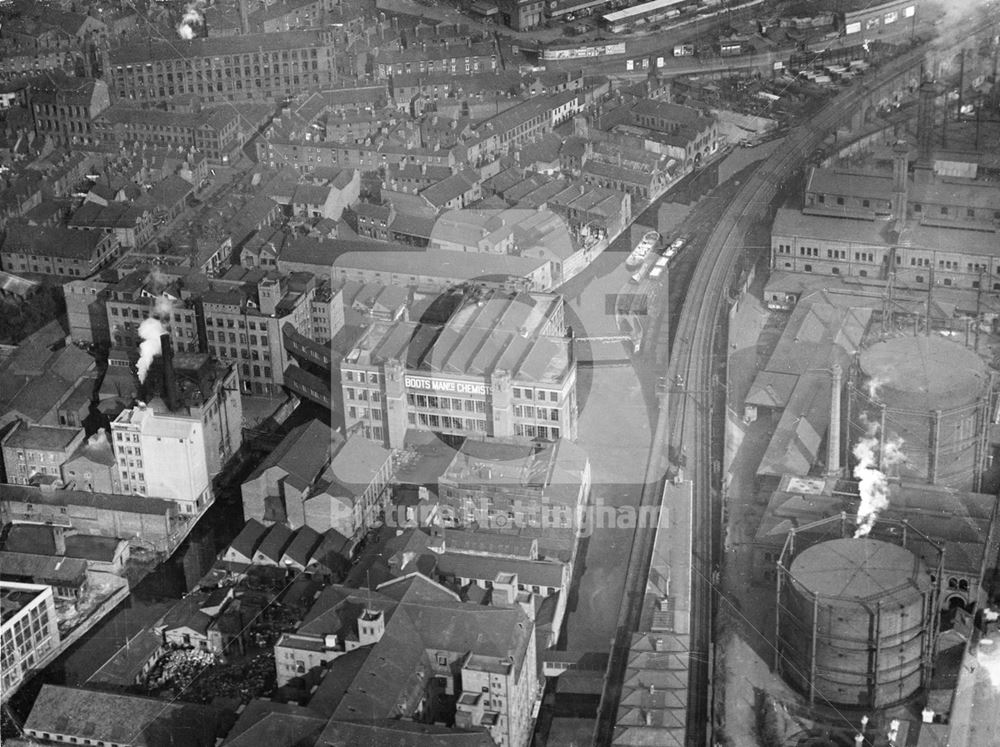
(103, 501)
(356, 465)
(249, 538)
(305, 541)
(122, 719)
(274, 543)
(43, 569)
(55, 241)
(529, 572)
(302, 454)
(399, 733)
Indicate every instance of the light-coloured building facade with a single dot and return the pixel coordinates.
(162, 455)
(499, 367)
(29, 632)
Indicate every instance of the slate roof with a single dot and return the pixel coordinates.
(249, 538)
(305, 541)
(274, 543)
(302, 454)
(529, 572)
(122, 719)
(52, 242)
(101, 501)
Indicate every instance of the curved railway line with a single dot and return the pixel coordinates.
(684, 430)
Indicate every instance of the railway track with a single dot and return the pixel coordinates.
(684, 433)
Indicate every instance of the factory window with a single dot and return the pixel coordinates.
(947, 281)
(865, 203)
(920, 278)
(863, 273)
(952, 583)
(835, 270)
(807, 268)
(963, 584)
(917, 207)
(944, 210)
(970, 212)
(840, 200)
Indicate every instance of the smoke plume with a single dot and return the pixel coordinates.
(164, 306)
(872, 481)
(150, 331)
(192, 17)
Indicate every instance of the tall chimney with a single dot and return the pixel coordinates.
(900, 178)
(833, 432)
(171, 394)
(925, 119)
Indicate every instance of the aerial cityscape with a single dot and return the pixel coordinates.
(516, 373)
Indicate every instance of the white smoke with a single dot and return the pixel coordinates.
(192, 17)
(150, 331)
(874, 384)
(872, 481)
(163, 306)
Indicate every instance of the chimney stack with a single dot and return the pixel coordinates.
(244, 17)
(171, 394)
(833, 433)
(900, 178)
(925, 119)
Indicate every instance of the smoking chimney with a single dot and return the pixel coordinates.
(171, 394)
(833, 433)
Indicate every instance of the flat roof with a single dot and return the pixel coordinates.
(639, 10)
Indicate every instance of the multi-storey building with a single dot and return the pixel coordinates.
(141, 295)
(29, 631)
(214, 132)
(482, 658)
(85, 311)
(243, 325)
(32, 452)
(682, 133)
(455, 58)
(922, 230)
(163, 456)
(64, 108)
(520, 124)
(499, 366)
(253, 67)
(535, 488)
(55, 251)
(522, 15)
(191, 397)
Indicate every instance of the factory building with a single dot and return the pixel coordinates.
(185, 426)
(477, 364)
(916, 227)
(252, 67)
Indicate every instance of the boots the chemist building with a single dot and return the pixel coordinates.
(498, 365)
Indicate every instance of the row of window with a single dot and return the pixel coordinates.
(210, 334)
(537, 431)
(362, 377)
(446, 422)
(445, 403)
(530, 411)
(539, 394)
